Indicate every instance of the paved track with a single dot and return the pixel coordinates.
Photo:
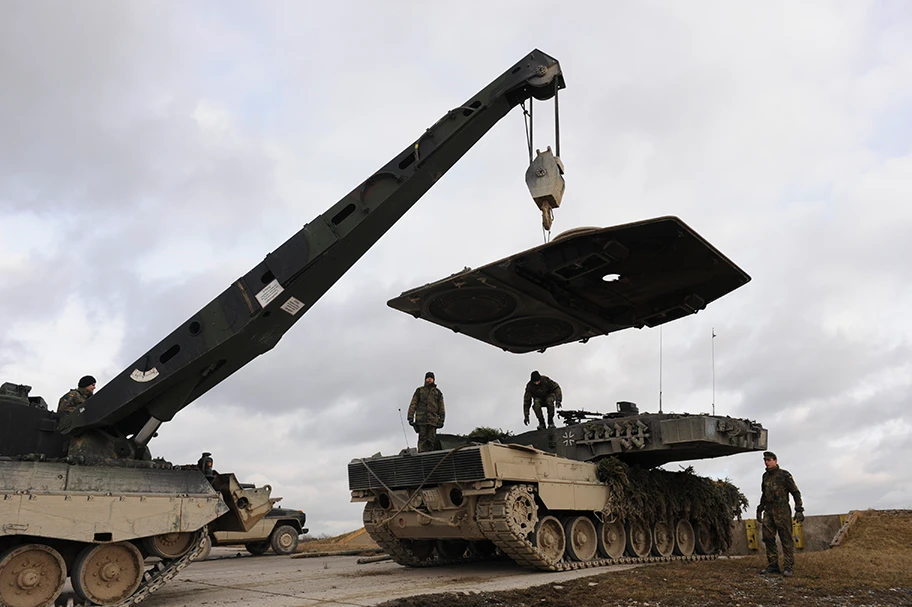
(276, 581)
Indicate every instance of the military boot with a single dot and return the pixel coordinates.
(770, 569)
(551, 421)
(541, 421)
(787, 572)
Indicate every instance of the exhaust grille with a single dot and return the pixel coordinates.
(409, 471)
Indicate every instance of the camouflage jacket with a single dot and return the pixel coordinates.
(777, 485)
(547, 387)
(426, 408)
(73, 399)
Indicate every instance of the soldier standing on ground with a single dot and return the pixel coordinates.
(541, 390)
(73, 399)
(426, 413)
(777, 515)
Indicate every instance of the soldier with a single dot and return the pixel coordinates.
(73, 399)
(540, 390)
(426, 413)
(774, 503)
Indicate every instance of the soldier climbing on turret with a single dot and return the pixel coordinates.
(777, 515)
(541, 390)
(75, 398)
(426, 413)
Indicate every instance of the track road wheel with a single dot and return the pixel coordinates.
(612, 539)
(451, 549)
(663, 539)
(705, 538)
(171, 545)
(106, 574)
(550, 539)
(207, 548)
(582, 539)
(31, 575)
(684, 538)
(284, 539)
(257, 548)
(639, 539)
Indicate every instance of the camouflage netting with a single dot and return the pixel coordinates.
(483, 434)
(659, 495)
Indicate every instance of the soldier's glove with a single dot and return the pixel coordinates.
(411, 423)
(557, 404)
(799, 516)
(526, 420)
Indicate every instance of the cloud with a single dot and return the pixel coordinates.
(152, 154)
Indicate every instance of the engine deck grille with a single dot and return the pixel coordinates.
(405, 471)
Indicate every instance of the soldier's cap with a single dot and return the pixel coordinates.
(770, 455)
(86, 381)
(429, 374)
(536, 376)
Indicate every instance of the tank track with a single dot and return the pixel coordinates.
(377, 527)
(154, 578)
(490, 514)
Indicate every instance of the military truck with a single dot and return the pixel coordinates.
(82, 496)
(279, 530)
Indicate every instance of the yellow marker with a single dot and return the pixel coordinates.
(753, 539)
(797, 534)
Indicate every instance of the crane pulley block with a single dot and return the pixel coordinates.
(545, 180)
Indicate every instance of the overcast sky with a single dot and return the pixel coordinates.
(151, 153)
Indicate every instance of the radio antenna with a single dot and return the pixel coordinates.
(404, 434)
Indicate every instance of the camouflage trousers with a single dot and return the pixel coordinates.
(427, 437)
(538, 403)
(778, 521)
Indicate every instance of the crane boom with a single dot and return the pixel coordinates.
(254, 312)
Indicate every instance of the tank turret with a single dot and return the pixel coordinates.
(644, 439)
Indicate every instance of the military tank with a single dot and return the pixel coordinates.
(82, 496)
(588, 493)
(582, 495)
(97, 519)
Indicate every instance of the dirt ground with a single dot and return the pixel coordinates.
(873, 567)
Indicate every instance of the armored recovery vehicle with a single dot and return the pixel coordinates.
(82, 496)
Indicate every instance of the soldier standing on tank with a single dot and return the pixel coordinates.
(75, 398)
(541, 390)
(426, 413)
(777, 515)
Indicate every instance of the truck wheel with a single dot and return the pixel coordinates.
(257, 548)
(284, 539)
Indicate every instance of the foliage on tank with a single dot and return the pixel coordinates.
(484, 434)
(660, 495)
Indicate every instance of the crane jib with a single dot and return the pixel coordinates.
(252, 314)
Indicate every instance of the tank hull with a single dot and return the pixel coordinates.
(542, 510)
(60, 521)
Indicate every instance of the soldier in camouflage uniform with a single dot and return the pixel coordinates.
(777, 514)
(426, 413)
(73, 399)
(541, 390)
